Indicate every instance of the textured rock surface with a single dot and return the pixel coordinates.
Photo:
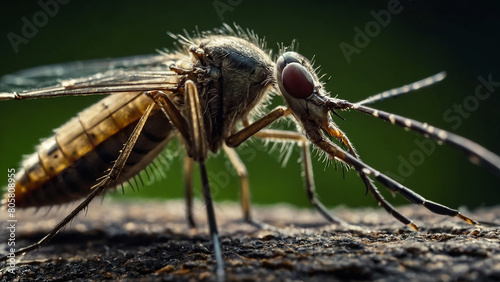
(151, 240)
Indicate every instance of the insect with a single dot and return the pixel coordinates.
(211, 94)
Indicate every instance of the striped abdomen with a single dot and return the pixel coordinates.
(68, 164)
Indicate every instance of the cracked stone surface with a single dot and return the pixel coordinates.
(151, 240)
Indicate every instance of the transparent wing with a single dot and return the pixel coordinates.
(54, 74)
(137, 73)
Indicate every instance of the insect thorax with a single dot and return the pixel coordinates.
(239, 75)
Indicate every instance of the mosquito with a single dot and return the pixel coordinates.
(211, 93)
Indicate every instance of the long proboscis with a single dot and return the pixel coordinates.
(476, 153)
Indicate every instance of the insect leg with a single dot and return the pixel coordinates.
(245, 189)
(336, 152)
(384, 203)
(237, 138)
(337, 133)
(97, 189)
(253, 129)
(243, 174)
(180, 123)
(188, 190)
(303, 142)
(169, 109)
(211, 221)
(199, 147)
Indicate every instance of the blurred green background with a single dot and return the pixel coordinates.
(423, 39)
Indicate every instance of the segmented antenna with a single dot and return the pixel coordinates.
(404, 89)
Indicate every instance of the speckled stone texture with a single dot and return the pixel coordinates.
(150, 240)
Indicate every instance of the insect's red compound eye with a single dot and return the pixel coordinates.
(297, 81)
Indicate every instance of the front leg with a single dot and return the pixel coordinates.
(248, 131)
(198, 142)
(256, 129)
